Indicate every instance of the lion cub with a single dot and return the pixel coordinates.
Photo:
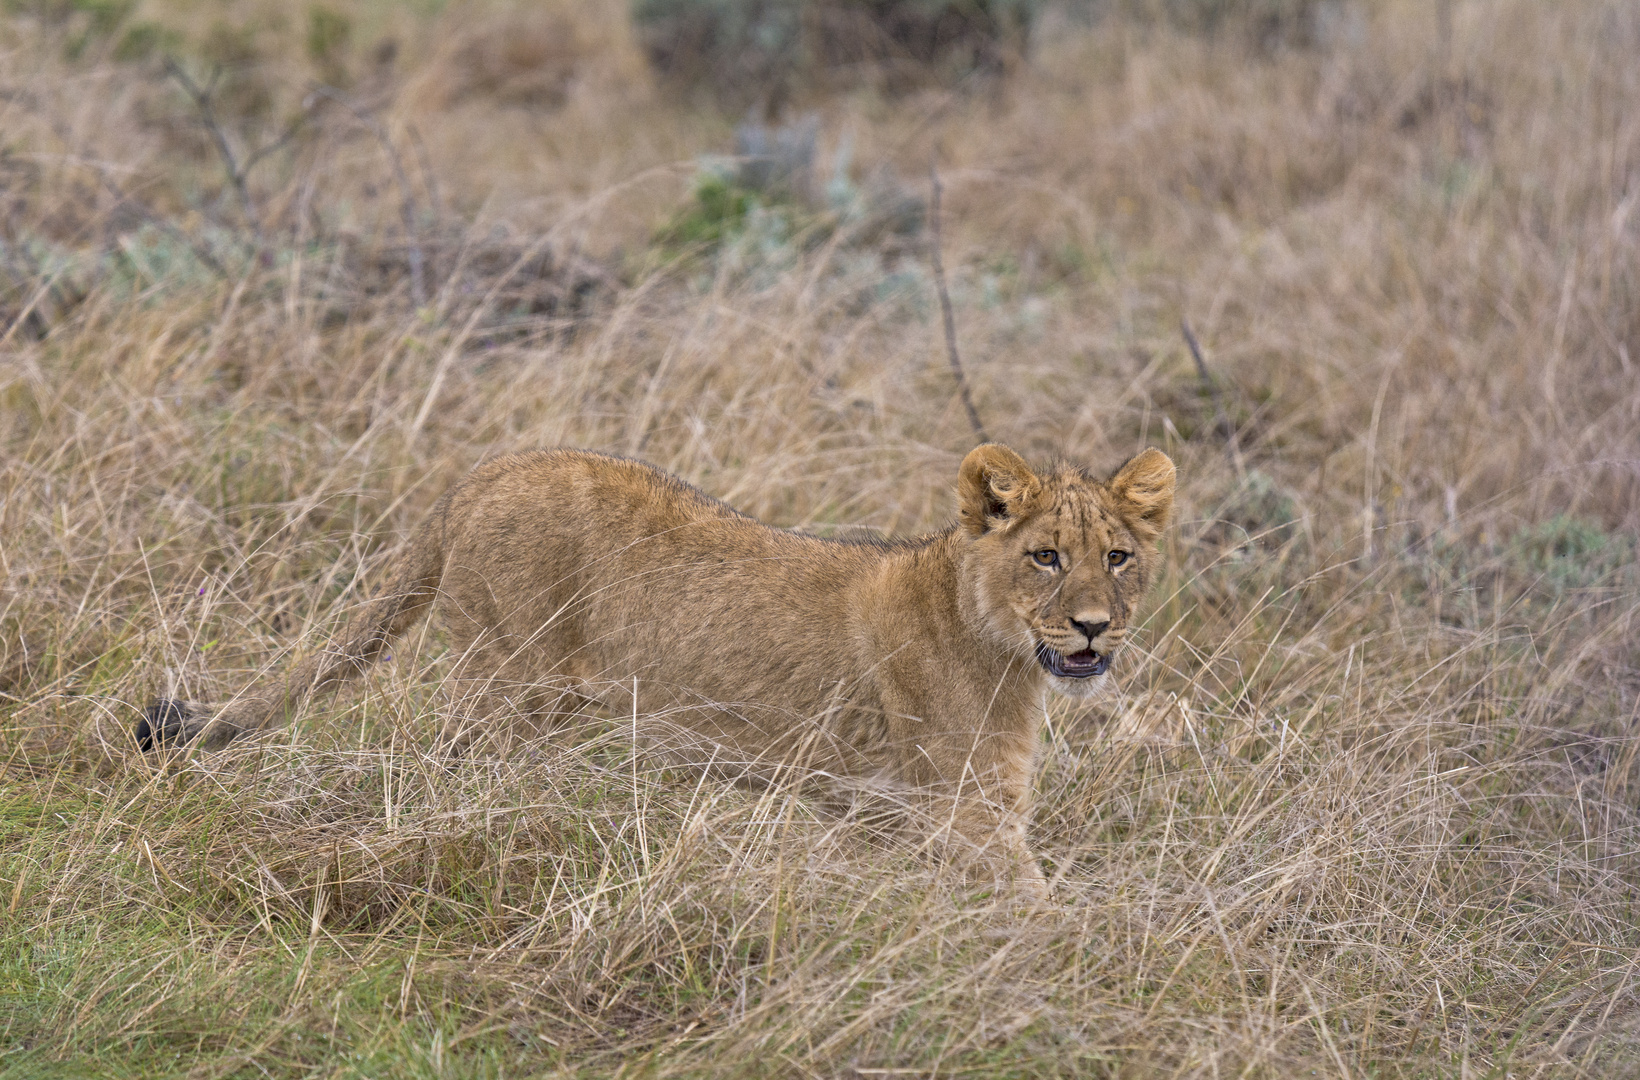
(567, 576)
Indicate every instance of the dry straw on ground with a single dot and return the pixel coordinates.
(1364, 803)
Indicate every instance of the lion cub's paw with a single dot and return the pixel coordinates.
(1025, 884)
(1013, 879)
(1033, 889)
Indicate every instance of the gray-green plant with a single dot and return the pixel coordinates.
(1570, 552)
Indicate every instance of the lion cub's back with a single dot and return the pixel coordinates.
(626, 570)
(571, 512)
(572, 534)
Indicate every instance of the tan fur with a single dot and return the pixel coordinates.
(566, 575)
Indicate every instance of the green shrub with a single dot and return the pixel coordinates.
(762, 207)
(718, 210)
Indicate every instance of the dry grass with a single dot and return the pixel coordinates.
(1364, 805)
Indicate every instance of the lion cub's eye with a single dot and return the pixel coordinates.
(1117, 558)
(1045, 557)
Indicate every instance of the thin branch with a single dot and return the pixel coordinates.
(424, 164)
(230, 161)
(1231, 441)
(407, 199)
(1443, 36)
(945, 308)
(291, 131)
(45, 287)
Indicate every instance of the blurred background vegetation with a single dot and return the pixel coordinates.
(1363, 798)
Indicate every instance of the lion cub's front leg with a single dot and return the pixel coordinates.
(987, 829)
(986, 844)
(975, 785)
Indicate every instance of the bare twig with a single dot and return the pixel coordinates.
(207, 115)
(1443, 35)
(1231, 441)
(284, 139)
(1446, 90)
(238, 172)
(424, 165)
(47, 284)
(945, 308)
(407, 199)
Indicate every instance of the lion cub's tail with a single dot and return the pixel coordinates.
(415, 583)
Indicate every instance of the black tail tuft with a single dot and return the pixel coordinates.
(161, 725)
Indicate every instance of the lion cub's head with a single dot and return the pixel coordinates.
(1057, 561)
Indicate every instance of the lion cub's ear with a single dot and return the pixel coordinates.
(994, 488)
(1144, 492)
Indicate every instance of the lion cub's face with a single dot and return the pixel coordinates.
(1059, 561)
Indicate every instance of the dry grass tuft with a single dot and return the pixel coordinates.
(1364, 804)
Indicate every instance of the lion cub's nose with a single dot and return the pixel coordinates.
(1092, 625)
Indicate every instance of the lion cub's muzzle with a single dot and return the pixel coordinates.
(1080, 659)
(1084, 664)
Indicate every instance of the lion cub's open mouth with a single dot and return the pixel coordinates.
(1077, 665)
